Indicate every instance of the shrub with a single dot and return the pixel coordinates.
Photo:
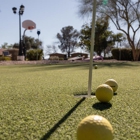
(122, 54)
(126, 54)
(5, 58)
(115, 53)
(54, 58)
(61, 58)
(35, 54)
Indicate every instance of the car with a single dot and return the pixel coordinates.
(97, 57)
(75, 58)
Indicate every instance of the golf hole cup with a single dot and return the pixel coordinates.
(104, 93)
(94, 127)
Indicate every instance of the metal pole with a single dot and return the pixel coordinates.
(37, 47)
(38, 33)
(24, 35)
(24, 44)
(20, 47)
(92, 48)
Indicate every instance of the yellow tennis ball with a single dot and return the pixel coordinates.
(104, 93)
(94, 127)
(112, 83)
(95, 66)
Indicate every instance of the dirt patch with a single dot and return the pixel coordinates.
(53, 62)
(36, 62)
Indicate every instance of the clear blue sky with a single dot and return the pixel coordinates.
(49, 15)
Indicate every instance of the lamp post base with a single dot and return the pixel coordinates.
(20, 58)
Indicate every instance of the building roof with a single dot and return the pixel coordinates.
(78, 53)
(57, 54)
(1, 51)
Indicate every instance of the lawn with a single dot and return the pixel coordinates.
(38, 102)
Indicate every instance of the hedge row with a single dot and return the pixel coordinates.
(56, 58)
(122, 54)
(5, 58)
(35, 54)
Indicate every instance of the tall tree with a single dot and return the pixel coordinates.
(33, 43)
(16, 45)
(6, 46)
(30, 43)
(119, 38)
(125, 15)
(50, 49)
(68, 39)
(104, 38)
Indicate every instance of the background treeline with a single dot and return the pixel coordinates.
(122, 54)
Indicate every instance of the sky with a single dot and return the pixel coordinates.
(50, 17)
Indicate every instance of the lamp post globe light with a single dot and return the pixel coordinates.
(20, 12)
(38, 32)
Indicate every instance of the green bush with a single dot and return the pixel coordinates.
(126, 54)
(54, 58)
(5, 58)
(35, 54)
(61, 58)
(122, 54)
(115, 53)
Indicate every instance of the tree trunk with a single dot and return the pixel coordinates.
(68, 54)
(136, 54)
(104, 53)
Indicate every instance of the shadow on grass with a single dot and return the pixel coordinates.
(82, 65)
(53, 129)
(83, 93)
(101, 106)
(46, 67)
(116, 64)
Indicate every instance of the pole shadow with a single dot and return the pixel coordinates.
(92, 93)
(83, 93)
(101, 106)
(53, 129)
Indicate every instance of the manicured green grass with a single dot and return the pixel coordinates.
(37, 102)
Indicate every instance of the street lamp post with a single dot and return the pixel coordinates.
(24, 44)
(38, 33)
(21, 11)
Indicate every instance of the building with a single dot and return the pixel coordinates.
(12, 53)
(59, 55)
(76, 54)
(1, 52)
